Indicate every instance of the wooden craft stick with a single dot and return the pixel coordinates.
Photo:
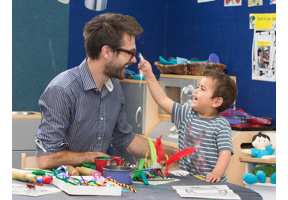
(23, 175)
(85, 171)
(72, 171)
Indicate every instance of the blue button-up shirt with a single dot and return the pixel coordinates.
(76, 116)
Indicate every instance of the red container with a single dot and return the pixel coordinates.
(106, 161)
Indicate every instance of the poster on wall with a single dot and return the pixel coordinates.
(252, 3)
(272, 2)
(264, 55)
(228, 3)
(262, 21)
(203, 1)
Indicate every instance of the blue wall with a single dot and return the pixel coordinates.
(149, 13)
(212, 28)
(188, 29)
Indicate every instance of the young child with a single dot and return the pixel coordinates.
(200, 126)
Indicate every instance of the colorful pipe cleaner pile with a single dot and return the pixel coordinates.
(61, 173)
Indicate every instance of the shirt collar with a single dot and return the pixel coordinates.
(109, 85)
(87, 79)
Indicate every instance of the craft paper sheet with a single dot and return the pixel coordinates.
(206, 191)
(228, 3)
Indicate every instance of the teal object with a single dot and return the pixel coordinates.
(250, 178)
(273, 178)
(165, 62)
(261, 176)
(143, 176)
(184, 60)
(134, 75)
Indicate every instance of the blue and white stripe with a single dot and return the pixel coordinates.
(76, 116)
(208, 136)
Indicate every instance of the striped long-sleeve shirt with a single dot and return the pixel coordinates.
(76, 116)
(208, 136)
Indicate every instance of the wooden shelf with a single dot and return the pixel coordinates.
(249, 159)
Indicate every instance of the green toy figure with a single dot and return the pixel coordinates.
(262, 149)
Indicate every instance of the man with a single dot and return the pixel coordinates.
(83, 109)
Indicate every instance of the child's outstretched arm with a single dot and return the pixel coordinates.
(157, 92)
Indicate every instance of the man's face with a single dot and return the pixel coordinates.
(115, 68)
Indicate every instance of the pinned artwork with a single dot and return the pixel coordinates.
(272, 2)
(264, 55)
(228, 3)
(252, 3)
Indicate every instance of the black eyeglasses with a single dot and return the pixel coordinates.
(131, 53)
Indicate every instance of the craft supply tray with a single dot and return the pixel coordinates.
(195, 68)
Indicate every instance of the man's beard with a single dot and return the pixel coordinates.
(114, 70)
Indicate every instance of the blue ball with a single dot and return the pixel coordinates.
(273, 178)
(249, 178)
(261, 176)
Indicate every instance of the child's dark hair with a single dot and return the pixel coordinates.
(260, 135)
(225, 88)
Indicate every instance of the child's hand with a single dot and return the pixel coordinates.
(210, 177)
(146, 67)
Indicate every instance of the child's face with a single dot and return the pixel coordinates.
(202, 96)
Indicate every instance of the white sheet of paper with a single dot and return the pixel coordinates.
(39, 190)
(206, 191)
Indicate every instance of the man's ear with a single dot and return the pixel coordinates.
(217, 102)
(106, 52)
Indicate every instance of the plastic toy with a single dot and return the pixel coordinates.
(262, 149)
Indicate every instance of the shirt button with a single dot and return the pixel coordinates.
(99, 138)
(101, 118)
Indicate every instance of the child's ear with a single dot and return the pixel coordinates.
(217, 102)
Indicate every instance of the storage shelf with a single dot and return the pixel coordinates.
(250, 159)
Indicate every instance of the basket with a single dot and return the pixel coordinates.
(195, 68)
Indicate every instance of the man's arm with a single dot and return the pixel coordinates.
(156, 90)
(64, 157)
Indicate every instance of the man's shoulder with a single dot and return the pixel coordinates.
(65, 79)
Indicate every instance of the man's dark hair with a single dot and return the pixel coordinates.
(108, 29)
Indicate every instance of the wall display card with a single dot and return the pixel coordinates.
(206, 191)
(203, 1)
(265, 21)
(264, 55)
(228, 3)
(252, 3)
(252, 18)
(272, 2)
(262, 21)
